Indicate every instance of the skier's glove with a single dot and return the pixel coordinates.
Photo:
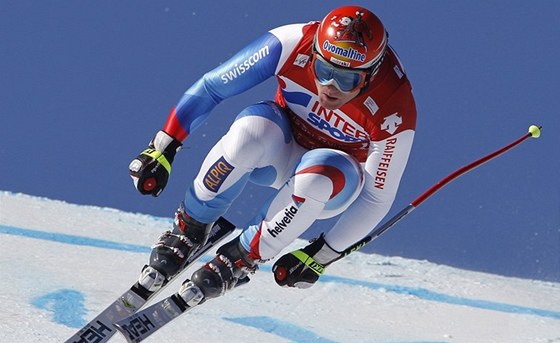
(303, 267)
(150, 170)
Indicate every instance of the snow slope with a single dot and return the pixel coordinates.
(62, 263)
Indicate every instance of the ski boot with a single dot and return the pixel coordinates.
(229, 269)
(172, 251)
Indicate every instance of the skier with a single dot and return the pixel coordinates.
(335, 141)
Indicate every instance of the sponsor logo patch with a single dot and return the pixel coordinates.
(384, 163)
(217, 174)
(280, 225)
(391, 123)
(371, 105)
(335, 125)
(349, 53)
(239, 69)
(301, 60)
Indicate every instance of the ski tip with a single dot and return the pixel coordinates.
(535, 131)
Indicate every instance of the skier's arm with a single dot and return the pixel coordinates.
(249, 67)
(384, 168)
(380, 189)
(252, 65)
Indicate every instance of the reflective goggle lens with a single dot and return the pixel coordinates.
(347, 80)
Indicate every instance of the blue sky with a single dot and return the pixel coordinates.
(85, 84)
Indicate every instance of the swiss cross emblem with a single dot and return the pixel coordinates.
(391, 123)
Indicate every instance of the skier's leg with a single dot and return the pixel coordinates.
(258, 143)
(302, 268)
(325, 183)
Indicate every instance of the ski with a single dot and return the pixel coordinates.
(100, 329)
(144, 323)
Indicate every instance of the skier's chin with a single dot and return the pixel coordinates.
(330, 103)
(331, 98)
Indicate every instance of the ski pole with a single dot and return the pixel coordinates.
(534, 132)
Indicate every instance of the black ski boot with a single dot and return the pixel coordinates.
(170, 254)
(227, 270)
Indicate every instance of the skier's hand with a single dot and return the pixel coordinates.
(291, 270)
(303, 267)
(150, 170)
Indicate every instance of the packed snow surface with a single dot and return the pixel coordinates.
(63, 263)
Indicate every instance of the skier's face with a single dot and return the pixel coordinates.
(335, 85)
(332, 98)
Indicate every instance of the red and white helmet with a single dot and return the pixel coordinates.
(352, 37)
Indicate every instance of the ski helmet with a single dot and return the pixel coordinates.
(352, 37)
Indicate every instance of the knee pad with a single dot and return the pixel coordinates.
(330, 176)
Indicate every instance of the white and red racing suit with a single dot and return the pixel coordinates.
(324, 163)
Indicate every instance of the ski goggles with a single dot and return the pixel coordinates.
(345, 80)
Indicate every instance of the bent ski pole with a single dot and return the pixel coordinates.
(534, 132)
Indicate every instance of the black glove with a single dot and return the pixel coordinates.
(303, 267)
(150, 170)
